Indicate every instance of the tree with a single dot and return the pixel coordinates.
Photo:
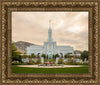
(44, 56)
(25, 56)
(67, 55)
(38, 55)
(33, 55)
(20, 59)
(15, 53)
(84, 55)
(13, 47)
(56, 55)
(61, 55)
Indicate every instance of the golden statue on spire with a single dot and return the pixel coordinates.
(50, 24)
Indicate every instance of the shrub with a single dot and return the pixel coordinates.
(33, 55)
(38, 61)
(82, 64)
(31, 62)
(61, 61)
(75, 63)
(25, 56)
(69, 63)
(16, 63)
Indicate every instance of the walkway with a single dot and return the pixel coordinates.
(36, 66)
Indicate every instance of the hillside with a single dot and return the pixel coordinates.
(22, 45)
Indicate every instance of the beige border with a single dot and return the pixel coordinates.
(8, 77)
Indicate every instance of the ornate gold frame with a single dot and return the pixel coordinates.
(8, 6)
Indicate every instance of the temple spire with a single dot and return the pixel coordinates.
(49, 24)
(50, 32)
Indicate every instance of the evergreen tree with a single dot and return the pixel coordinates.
(56, 55)
(84, 55)
(44, 56)
(15, 54)
(33, 55)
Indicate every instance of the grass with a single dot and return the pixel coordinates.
(16, 69)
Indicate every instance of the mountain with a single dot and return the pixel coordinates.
(77, 52)
(22, 45)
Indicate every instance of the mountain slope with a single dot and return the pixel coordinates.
(22, 45)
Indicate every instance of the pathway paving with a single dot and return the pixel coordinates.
(37, 66)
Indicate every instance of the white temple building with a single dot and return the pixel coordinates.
(50, 47)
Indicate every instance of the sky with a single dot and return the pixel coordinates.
(68, 28)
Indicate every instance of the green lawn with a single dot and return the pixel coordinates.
(16, 69)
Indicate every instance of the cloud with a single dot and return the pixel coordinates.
(68, 28)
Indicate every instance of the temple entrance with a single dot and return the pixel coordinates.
(50, 55)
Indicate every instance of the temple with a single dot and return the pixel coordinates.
(49, 48)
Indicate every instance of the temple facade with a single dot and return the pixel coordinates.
(49, 48)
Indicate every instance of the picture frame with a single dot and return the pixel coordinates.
(8, 6)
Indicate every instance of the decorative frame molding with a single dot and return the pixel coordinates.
(7, 7)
